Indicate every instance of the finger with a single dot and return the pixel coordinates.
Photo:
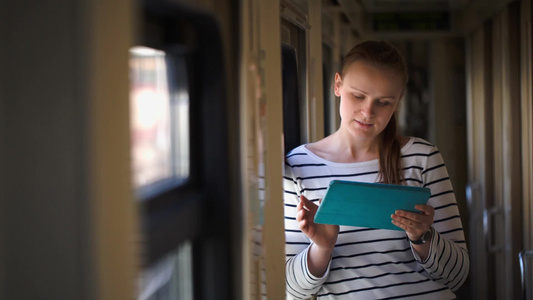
(400, 224)
(416, 225)
(417, 217)
(418, 221)
(303, 200)
(304, 226)
(422, 218)
(300, 215)
(310, 206)
(300, 206)
(404, 226)
(412, 232)
(425, 209)
(409, 223)
(413, 228)
(303, 214)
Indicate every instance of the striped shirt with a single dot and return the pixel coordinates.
(374, 263)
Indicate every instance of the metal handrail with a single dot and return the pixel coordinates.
(524, 272)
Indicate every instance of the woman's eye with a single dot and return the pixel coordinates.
(359, 97)
(383, 103)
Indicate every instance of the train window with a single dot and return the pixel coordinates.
(159, 120)
(178, 105)
(160, 135)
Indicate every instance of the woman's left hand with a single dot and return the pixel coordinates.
(414, 224)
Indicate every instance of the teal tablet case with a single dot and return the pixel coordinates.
(369, 205)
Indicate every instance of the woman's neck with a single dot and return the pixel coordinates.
(340, 148)
(356, 149)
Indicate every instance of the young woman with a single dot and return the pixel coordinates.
(428, 259)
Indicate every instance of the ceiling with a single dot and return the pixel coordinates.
(412, 5)
(416, 18)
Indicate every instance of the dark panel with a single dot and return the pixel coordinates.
(46, 230)
(291, 108)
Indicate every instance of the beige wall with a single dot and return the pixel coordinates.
(261, 145)
(273, 229)
(315, 99)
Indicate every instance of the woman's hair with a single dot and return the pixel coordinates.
(383, 55)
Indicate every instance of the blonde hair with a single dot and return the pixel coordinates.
(383, 55)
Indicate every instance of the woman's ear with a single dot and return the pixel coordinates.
(338, 83)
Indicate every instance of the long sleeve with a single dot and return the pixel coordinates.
(301, 284)
(448, 261)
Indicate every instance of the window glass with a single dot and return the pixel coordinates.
(159, 108)
(169, 278)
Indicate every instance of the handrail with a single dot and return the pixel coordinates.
(524, 272)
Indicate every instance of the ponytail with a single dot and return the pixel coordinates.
(390, 169)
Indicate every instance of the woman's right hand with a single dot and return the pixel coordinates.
(323, 235)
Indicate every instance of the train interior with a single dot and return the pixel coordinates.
(142, 142)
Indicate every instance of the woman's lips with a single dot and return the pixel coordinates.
(363, 124)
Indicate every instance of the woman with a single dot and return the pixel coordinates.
(428, 259)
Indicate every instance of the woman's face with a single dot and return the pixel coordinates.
(369, 97)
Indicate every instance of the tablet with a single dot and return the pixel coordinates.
(369, 205)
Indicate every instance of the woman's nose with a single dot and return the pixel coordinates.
(367, 109)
